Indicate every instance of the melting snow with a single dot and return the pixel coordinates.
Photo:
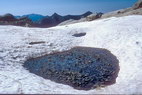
(122, 36)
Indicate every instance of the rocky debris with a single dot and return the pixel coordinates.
(123, 12)
(138, 5)
(83, 68)
(134, 10)
(94, 16)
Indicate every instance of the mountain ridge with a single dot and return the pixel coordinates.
(38, 20)
(34, 17)
(56, 19)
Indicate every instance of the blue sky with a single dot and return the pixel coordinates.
(63, 7)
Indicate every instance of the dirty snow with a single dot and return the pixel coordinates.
(122, 36)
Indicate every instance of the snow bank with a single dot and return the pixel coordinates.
(122, 36)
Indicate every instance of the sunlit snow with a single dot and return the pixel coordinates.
(122, 36)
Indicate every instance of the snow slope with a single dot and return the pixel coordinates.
(122, 36)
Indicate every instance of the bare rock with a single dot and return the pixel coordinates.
(138, 5)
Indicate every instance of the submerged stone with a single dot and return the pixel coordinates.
(79, 34)
(83, 68)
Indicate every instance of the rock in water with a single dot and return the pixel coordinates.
(79, 34)
(83, 68)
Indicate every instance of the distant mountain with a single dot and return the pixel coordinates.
(34, 17)
(51, 21)
(36, 20)
(56, 19)
(9, 19)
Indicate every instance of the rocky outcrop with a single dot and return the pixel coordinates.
(134, 10)
(94, 16)
(9, 19)
(138, 5)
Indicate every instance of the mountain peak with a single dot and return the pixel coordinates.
(55, 14)
(87, 13)
(8, 15)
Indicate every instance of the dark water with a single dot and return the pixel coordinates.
(83, 68)
(33, 43)
(79, 34)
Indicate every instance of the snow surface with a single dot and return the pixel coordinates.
(122, 36)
